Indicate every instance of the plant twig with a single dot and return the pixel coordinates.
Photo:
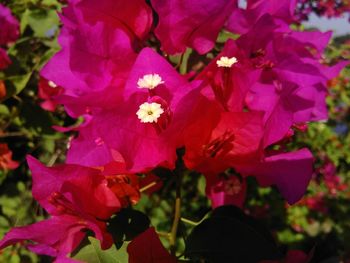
(190, 222)
(13, 134)
(148, 186)
(177, 216)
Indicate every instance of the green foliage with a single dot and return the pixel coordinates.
(91, 252)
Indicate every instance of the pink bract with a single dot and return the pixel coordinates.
(194, 24)
(290, 172)
(241, 20)
(142, 145)
(217, 140)
(95, 59)
(9, 26)
(77, 198)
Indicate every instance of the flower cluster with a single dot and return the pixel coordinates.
(6, 161)
(327, 8)
(232, 117)
(9, 32)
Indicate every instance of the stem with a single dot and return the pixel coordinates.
(163, 234)
(178, 65)
(184, 61)
(177, 217)
(190, 222)
(148, 186)
(54, 157)
(13, 134)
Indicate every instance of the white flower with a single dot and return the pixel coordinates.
(149, 81)
(226, 62)
(149, 112)
(52, 84)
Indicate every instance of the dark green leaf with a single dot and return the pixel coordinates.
(127, 224)
(230, 236)
(92, 253)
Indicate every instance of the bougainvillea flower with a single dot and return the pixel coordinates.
(134, 17)
(74, 187)
(241, 20)
(281, 103)
(9, 26)
(316, 202)
(143, 142)
(77, 191)
(290, 172)
(332, 181)
(4, 59)
(6, 162)
(77, 198)
(194, 24)
(47, 90)
(226, 189)
(95, 59)
(217, 140)
(230, 75)
(55, 237)
(2, 90)
(124, 185)
(148, 248)
(292, 84)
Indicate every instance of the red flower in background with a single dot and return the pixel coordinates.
(9, 32)
(48, 90)
(2, 90)
(4, 59)
(6, 162)
(226, 190)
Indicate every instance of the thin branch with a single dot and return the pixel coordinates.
(173, 232)
(13, 134)
(146, 187)
(54, 157)
(190, 222)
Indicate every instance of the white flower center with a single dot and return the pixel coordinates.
(149, 81)
(149, 112)
(226, 62)
(52, 84)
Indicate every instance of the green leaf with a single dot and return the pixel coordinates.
(36, 120)
(15, 258)
(51, 3)
(92, 253)
(45, 58)
(15, 84)
(44, 23)
(225, 35)
(184, 63)
(127, 224)
(4, 110)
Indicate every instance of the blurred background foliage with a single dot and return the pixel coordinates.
(321, 218)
